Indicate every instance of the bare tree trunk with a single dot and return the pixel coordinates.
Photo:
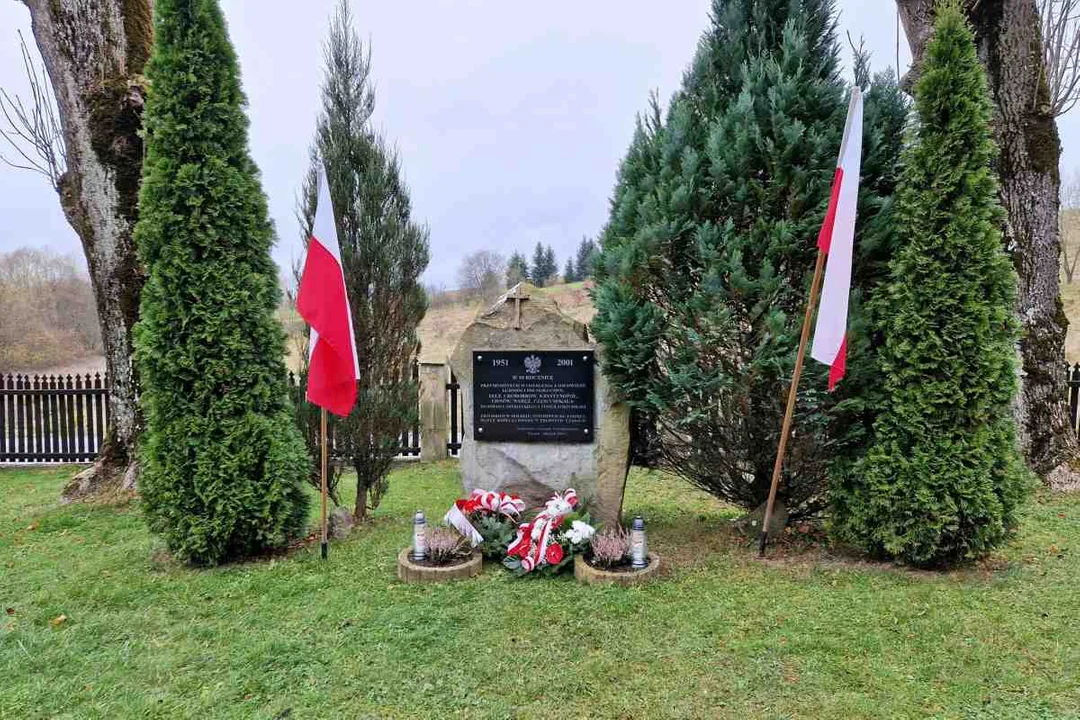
(94, 51)
(1009, 43)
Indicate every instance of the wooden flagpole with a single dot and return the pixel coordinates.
(785, 430)
(322, 430)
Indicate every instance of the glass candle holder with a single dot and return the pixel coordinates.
(419, 537)
(639, 545)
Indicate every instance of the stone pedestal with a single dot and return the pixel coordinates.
(410, 572)
(589, 575)
(434, 416)
(524, 319)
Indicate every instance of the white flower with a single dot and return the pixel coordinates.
(579, 532)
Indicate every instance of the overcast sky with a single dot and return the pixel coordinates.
(510, 118)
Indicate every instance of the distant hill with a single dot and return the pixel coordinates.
(1070, 299)
(452, 313)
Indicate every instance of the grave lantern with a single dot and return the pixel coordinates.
(639, 545)
(419, 537)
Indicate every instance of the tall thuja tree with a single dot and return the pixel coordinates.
(944, 477)
(383, 251)
(223, 463)
(708, 253)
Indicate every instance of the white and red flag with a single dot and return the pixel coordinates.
(323, 302)
(837, 240)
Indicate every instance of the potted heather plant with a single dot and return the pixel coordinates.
(437, 555)
(616, 555)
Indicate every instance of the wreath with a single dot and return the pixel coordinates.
(548, 542)
(487, 519)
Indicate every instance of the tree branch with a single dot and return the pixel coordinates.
(1061, 52)
(33, 131)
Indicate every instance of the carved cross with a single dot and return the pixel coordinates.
(517, 296)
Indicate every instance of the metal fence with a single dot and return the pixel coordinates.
(409, 442)
(1072, 379)
(63, 419)
(53, 418)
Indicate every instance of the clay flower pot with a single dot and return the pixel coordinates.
(412, 572)
(586, 573)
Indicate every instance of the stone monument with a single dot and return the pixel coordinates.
(539, 416)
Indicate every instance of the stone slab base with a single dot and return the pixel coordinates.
(586, 573)
(409, 572)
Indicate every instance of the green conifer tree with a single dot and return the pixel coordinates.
(586, 256)
(543, 267)
(517, 269)
(569, 271)
(384, 251)
(551, 263)
(707, 256)
(223, 465)
(944, 477)
(859, 397)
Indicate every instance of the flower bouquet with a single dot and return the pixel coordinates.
(487, 519)
(549, 541)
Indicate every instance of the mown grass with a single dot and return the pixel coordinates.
(721, 635)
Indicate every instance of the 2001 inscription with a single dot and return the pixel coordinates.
(533, 396)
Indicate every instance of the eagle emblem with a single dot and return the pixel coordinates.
(532, 364)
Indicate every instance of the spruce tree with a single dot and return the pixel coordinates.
(517, 269)
(383, 251)
(707, 255)
(543, 267)
(944, 477)
(551, 263)
(586, 256)
(569, 271)
(223, 465)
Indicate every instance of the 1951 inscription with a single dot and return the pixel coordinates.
(533, 396)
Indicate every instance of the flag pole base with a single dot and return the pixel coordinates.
(762, 543)
(324, 549)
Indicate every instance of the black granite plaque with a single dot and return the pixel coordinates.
(543, 396)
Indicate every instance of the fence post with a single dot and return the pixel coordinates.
(1072, 381)
(433, 413)
(453, 388)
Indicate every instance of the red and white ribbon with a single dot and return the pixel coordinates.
(510, 505)
(458, 520)
(494, 502)
(533, 542)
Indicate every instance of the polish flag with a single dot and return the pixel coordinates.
(837, 240)
(322, 301)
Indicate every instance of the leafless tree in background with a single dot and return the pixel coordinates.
(1061, 51)
(32, 129)
(437, 294)
(1070, 226)
(94, 54)
(49, 317)
(482, 273)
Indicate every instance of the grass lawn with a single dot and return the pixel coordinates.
(721, 635)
